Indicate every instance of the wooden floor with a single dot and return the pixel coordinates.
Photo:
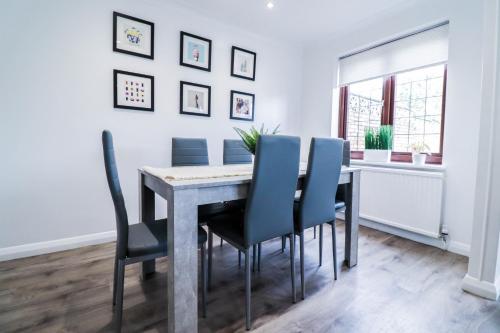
(398, 286)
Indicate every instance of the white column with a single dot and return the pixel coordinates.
(483, 276)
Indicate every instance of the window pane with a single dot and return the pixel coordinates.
(364, 110)
(418, 108)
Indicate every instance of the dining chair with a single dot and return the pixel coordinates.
(236, 153)
(315, 207)
(341, 189)
(137, 242)
(346, 161)
(194, 152)
(269, 210)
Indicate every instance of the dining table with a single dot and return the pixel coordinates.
(184, 189)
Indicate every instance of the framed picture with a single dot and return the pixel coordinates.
(195, 99)
(243, 63)
(133, 36)
(133, 91)
(242, 105)
(196, 51)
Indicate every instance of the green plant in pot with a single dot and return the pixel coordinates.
(251, 136)
(419, 152)
(378, 144)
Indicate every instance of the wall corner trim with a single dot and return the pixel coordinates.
(33, 249)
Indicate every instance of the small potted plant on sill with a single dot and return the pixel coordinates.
(419, 152)
(378, 144)
(251, 137)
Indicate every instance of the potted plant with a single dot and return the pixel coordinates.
(378, 144)
(251, 137)
(419, 152)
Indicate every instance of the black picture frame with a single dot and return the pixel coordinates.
(115, 47)
(181, 102)
(231, 115)
(254, 54)
(181, 53)
(128, 107)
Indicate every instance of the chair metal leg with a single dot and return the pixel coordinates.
(334, 248)
(302, 277)
(203, 280)
(115, 274)
(248, 289)
(239, 259)
(283, 244)
(119, 293)
(259, 250)
(314, 232)
(210, 253)
(148, 268)
(320, 244)
(292, 265)
(254, 256)
(221, 242)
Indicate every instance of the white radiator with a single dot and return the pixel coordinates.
(405, 199)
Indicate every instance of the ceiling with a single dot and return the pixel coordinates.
(298, 20)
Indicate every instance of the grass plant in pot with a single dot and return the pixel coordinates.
(251, 137)
(378, 144)
(419, 152)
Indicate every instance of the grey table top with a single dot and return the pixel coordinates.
(224, 181)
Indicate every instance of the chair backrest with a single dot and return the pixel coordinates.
(189, 152)
(269, 208)
(116, 194)
(236, 153)
(317, 200)
(346, 159)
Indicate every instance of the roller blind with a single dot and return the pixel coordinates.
(416, 50)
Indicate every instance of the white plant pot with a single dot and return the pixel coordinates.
(375, 155)
(418, 158)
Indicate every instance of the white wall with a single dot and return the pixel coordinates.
(462, 103)
(56, 90)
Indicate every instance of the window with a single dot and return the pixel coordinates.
(412, 102)
(364, 109)
(418, 102)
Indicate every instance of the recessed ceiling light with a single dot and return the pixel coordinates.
(270, 5)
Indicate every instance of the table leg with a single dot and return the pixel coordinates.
(182, 273)
(352, 220)
(146, 213)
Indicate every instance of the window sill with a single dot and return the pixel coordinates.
(400, 165)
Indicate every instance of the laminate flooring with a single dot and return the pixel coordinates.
(398, 286)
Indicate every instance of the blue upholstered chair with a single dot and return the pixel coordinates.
(194, 152)
(340, 196)
(137, 242)
(346, 161)
(316, 206)
(269, 210)
(189, 152)
(236, 153)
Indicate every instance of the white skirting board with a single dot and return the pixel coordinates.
(33, 249)
(481, 288)
(449, 245)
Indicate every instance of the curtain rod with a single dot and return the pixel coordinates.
(434, 26)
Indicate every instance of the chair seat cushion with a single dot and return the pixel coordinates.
(228, 226)
(151, 238)
(296, 208)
